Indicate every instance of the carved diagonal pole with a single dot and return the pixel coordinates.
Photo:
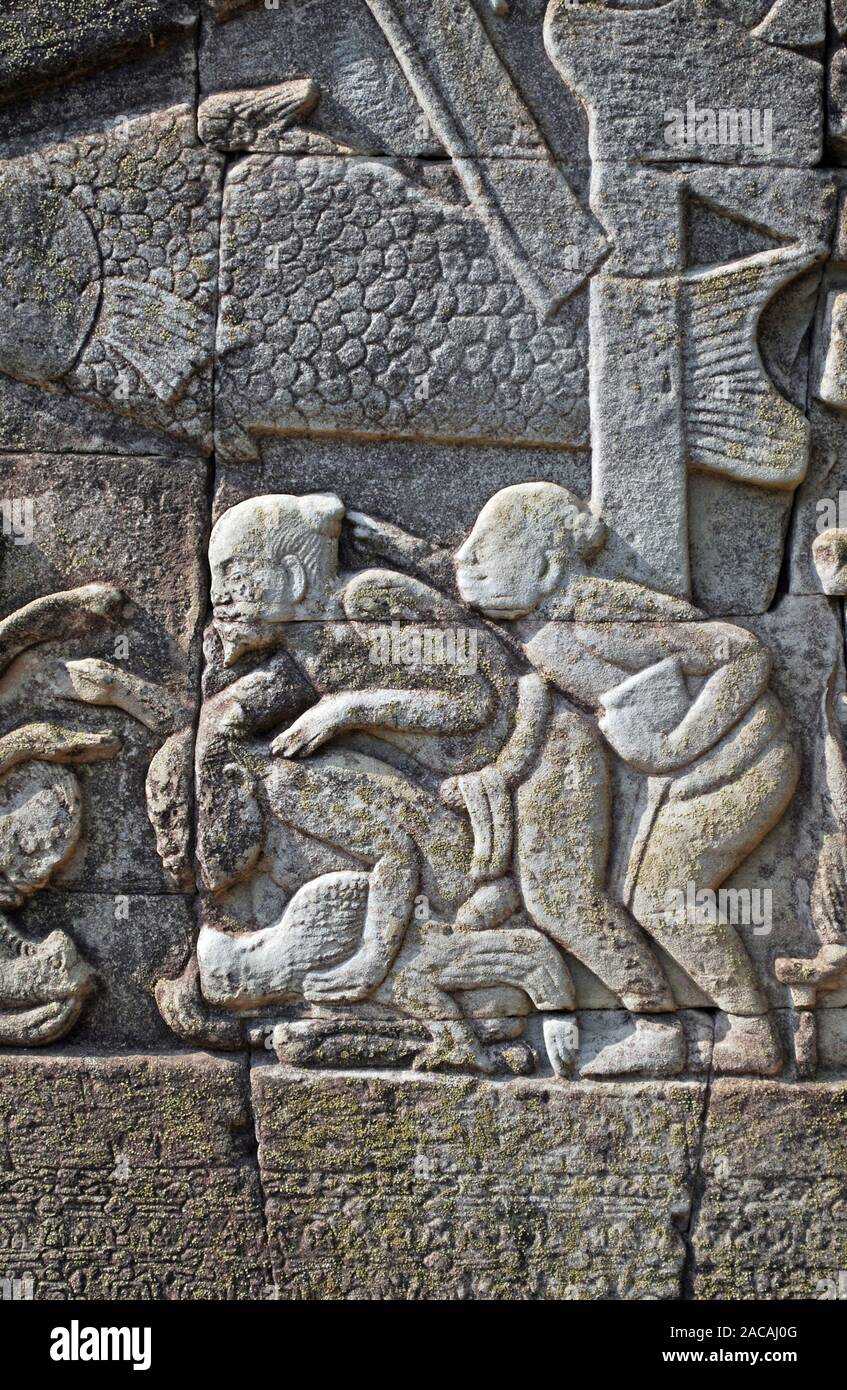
(468, 98)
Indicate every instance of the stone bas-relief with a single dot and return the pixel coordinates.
(427, 720)
(474, 793)
(44, 983)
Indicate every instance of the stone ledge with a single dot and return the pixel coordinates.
(135, 1176)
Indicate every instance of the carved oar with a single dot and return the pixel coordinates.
(550, 243)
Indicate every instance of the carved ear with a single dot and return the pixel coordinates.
(551, 575)
(297, 583)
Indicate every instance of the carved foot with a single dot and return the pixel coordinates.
(823, 971)
(656, 1047)
(746, 1047)
(561, 1039)
(187, 1013)
(804, 1035)
(36, 1027)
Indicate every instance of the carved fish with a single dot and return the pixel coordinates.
(109, 256)
(108, 270)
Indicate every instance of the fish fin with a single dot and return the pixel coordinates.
(165, 338)
(257, 117)
(738, 425)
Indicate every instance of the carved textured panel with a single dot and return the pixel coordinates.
(129, 1178)
(423, 553)
(419, 1189)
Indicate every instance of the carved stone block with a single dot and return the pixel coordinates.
(129, 1178)
(423, 547)
(769, 1224)
(418, 1188)
(357, 300)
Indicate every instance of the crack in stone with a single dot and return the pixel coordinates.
(698, 1186)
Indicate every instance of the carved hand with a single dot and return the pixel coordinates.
(312, 729)
(385, 539)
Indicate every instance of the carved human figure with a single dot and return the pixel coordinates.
(682, 700)
(44, 984)
(484, 733)
(276, 587)
(488, 949)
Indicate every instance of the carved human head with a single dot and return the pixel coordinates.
(527, 543)
(829, 553)
(274, 560)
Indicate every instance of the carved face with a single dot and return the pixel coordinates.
(500, 575)
(273, 561)
(525, 545)
(253, 597)
(248, 587)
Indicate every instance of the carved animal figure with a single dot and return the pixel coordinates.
(323, 925)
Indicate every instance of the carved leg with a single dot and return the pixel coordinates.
(563, 816)
(415, 989)
(522, 958)
(434, 966)
(736, 816)
(367, 809)
(700, 841)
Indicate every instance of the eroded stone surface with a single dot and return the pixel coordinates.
(452, 1189)
(627, 66)
(769, 1223)
(130, 1178)
(129, 941)
(50, 41)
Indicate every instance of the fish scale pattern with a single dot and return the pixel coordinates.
(151, 195)
(354, 298)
